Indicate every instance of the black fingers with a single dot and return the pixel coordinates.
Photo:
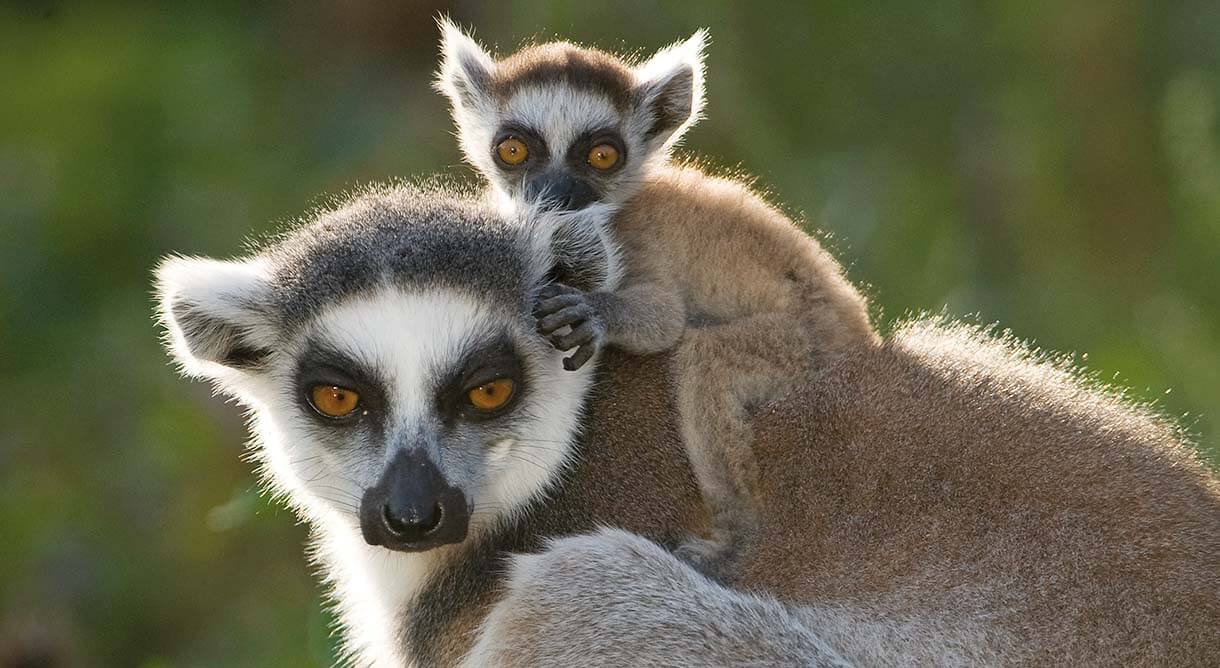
(570, 316)
(582, 334)
(550, 305)
(557, 306)
(554, 290)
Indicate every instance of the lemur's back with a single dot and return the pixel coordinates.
(940, 499)
(730, 254)
(944, 477)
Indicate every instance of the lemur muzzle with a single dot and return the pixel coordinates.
(413, 508)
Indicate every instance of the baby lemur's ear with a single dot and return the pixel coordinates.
(670, 88)
(216, 314)
(466, 70)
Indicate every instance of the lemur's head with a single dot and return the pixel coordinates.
(390, 361)
(568, 125)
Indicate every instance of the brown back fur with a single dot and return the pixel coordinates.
(949, 474)
(764, 304)
(940, 495)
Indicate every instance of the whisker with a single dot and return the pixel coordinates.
(530, 446)
(521, 458)
(342, 505)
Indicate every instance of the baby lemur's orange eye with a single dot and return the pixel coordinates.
(493, 395)
(334, 401)
(512, 151)
(603, 156)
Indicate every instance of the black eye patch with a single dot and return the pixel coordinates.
(578, 152)
(538, 151)
(481, 365)
(322, 364)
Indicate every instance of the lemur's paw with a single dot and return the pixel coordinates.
(557, 306)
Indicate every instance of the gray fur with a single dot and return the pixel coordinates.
(584, 256)
(943, 498)
(642, 318)
(613, 598)
(413, 237)
(410, 236)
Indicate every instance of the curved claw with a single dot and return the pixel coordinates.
(579, 358)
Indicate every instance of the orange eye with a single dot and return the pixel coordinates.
(493, 395)
(603, 156)
(334, 401)
(512, 151)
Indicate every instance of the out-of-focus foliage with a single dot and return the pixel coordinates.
(1051, 166)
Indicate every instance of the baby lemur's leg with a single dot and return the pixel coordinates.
(613, 598)
(722, 372)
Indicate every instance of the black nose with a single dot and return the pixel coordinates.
(560, 191)
(413, 508)
(412, 523)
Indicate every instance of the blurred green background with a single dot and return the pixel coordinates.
(1051, 166)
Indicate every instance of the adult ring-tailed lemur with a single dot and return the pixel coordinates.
(942, 498)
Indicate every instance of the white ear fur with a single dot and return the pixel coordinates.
(215, 313)
(466, 68)
(672, 88)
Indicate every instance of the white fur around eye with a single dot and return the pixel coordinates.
(560, 114)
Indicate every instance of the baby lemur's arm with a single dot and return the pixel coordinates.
(641, 318)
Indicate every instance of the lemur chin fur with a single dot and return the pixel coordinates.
(755, 307)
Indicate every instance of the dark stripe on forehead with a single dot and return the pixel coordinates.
(561, 62)
(408, 237)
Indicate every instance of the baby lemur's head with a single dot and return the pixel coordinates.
(566, 125)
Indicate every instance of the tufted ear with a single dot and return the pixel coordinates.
(466, 69)
(670, 88)
(216, 314)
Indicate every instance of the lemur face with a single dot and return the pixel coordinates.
(396, 382)
(568, 126)
(432, 404)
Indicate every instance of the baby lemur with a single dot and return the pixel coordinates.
(754, 305)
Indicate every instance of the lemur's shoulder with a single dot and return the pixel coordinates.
(690, 218)
(689, 184)
(684, 198)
